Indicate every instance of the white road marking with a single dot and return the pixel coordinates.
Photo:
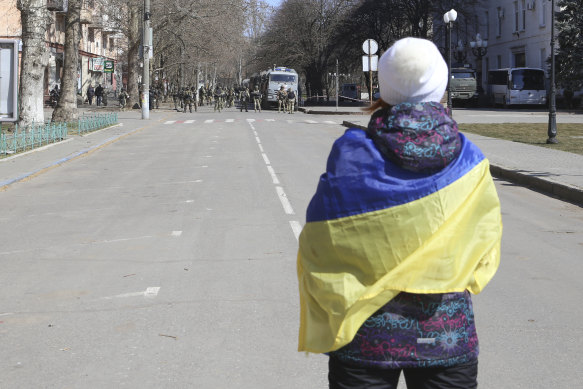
(189, 121)
(269, 120)
(209, 121)
(151, 291)
(330, 122)
(170, 122)
(260, 147)
(257, 139)
(229, 120)
(284, 201)
(273, 175)
(265, 159)
(311, 122)
(189, 201)
(250, 120)
(296, 228)
(176, 233)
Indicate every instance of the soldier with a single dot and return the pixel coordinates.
(244, 99)
(201, 95)
(123, 98)
(281, 96)
(291, 99)
(187, 99)
(219, 98)
(175, 96)
(256, 95)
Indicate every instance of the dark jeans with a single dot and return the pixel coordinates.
(344, 376)
(99, 98)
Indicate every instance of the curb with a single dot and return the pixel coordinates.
(314, 112)
(547, 187)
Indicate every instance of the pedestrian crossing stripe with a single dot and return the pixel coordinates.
(211, 121)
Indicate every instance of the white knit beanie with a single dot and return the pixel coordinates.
(412, 70)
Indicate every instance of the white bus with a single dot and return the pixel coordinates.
(514, 86)
(270, 81)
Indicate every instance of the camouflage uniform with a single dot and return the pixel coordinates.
(176, 96)
(219, 99)
(244, 99)
(187, 99)
(123, 98)
(290, 100)
(256, 94)
(281, 97)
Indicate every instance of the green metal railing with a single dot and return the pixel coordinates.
(88, 123)
(37, 135)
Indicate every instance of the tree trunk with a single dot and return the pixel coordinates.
(133, 52)
(35, 57)
(66, 109)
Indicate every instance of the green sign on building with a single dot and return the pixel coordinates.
(108, 66)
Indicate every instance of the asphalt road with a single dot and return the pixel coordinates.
(166, 259)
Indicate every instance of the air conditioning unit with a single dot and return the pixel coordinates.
(530, 5)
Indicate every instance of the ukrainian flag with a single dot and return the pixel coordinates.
(374, 230)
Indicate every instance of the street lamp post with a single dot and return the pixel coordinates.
(479, 49)
(449, 17)
(552, 132)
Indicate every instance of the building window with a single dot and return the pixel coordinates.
(542, 15)
(91, 35)
(498, 62)
(516, 16)
(519, 59)
(105, 43)
(543, 59)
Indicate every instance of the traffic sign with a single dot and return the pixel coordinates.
(370, 46)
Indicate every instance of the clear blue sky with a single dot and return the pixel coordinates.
(274, 3)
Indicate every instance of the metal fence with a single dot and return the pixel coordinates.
(38, 135)
(88, 123)
(34, 136)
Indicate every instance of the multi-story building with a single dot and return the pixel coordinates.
(97, 48)
(518, 34)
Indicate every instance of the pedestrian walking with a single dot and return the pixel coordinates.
(244, 99)
(404, 225)
(90, 94)
(99, 94)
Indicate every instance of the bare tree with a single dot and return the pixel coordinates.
(66, 109)
(35, 57)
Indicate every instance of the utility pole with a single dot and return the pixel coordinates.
(146, 77)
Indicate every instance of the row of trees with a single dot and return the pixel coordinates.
(310, 35)
(190, 36)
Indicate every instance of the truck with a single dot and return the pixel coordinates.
(271, 80)
(464, 86)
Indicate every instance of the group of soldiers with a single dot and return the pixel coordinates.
(286, 100)
(187, 98)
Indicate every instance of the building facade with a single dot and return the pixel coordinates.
(518, 34)
(98, 47)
